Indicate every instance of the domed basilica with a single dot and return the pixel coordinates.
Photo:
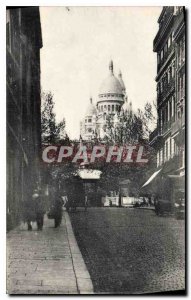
(112, 100)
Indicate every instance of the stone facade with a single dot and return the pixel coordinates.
(168, 137)
(23, 107)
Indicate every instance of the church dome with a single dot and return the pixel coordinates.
(91, 109)
(111, 85)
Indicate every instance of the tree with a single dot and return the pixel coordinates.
(132, 129)
(130, 126)
(52, 132)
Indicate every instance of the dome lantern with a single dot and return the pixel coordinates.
(111, 67)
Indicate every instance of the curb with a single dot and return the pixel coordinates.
(83, 280)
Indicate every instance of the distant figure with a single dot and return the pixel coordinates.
(150, 201)
(34, 210)
(65, 202)
(86, 203)
(144, 201)
(39, 209)
(57, 211)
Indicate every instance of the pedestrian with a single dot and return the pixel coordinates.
(57, 209)
(39, 208)
(86, 202)
(28, 213)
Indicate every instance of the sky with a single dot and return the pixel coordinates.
(79, 42)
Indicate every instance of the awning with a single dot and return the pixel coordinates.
(151, 178)
(89, 174)
(176, 176)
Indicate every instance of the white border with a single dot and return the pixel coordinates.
(4, 3)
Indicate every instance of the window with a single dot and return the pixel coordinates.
(165, 48)
(173, 107)
(162, 54)
(158, 58)
(112, 107)
(89, 120)
(183, 158)
(168, 109)
(182, 110)
(158, 158)
(108, 107)
(172, 147)
(170, 154)
(167, 150)
(161, 155)
(105, 107)
(8, 36)
(161, 85)
(173, 70)
(170, 73)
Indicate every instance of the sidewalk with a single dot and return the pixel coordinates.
(46, 262)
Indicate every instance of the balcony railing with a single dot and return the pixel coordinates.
(178, 125)
(153, 134)
(155, 137)
(169, 51)
(166, 127)
(166, 90)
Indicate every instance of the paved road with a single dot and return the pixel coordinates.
(131, 250)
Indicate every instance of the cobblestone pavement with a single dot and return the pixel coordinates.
(131, 251)
(46, 262)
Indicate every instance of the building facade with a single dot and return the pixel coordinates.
(23, 108)
(168, 137)
(112, 100)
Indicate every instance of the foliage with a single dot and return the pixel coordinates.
(52, 132)
(133, 126)
(133, 129)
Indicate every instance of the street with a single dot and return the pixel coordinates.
(131, 251)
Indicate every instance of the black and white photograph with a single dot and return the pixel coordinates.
(95, 150)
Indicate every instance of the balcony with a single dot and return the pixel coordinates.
(170, 86)
(166, 127)
(155, 138)
(178, 125)
(166, 56)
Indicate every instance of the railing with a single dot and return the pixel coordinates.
(153, 134)
(167, 88)
(166, 55)
(178, 124)
(166, 127)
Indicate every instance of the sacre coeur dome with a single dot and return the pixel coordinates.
(111, 85)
